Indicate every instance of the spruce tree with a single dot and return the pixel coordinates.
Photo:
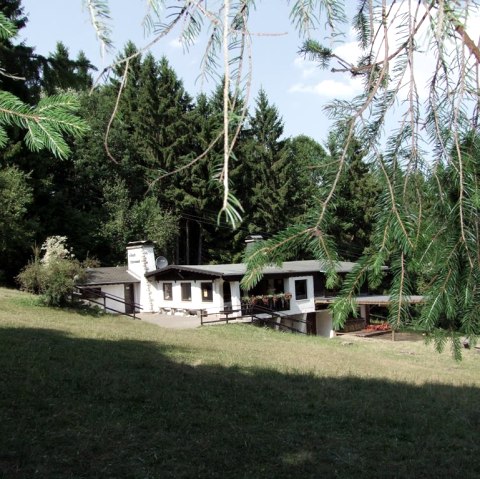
(267, 170)
(354, 206)
(36, 133)
(16, 231)
(60, 73)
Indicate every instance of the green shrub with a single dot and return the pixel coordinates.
(54, 276)
(54, 281)
(31, 277)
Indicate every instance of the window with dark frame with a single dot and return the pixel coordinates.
(167, 292)
(186, 291)
(207, 291)
(301, 289)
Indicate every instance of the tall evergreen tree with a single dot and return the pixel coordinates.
(307, 159)
(268, 171)
(354, 206)
(18, 61)
(148, 135)
(60, 73)
(199, 188)
(16, 232)
(50, 123)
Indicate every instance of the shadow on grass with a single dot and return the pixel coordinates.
(90, 408)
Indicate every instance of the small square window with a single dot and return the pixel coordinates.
(301, 289)
(167, 292)
(207, 291)
(186, 291)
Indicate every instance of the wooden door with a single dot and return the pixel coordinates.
(129, 298)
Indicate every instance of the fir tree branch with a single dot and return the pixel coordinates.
(355, 70)
(99, 14)
(189, 164)
(226, 109)
(467, 40)
(7, 27)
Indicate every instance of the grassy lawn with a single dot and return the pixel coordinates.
(103, 397)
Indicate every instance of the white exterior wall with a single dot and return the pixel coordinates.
(156, 294)
(196, 302)
(325, 324)
(297, 321)
(301, 305)
(236, 297)
(117, 290)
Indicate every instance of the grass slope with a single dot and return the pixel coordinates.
(103, 397)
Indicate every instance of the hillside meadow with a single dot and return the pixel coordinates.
(85, 396)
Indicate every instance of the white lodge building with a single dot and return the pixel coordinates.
(296, 289)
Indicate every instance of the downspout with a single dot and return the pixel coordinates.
(145, 280)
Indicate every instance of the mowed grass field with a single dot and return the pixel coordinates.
(109, 397)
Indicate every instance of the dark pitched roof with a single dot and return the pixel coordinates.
(289, 268)
(111, 275)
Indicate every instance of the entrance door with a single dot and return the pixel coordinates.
(312, 323)
(129, 299)
(227, 295)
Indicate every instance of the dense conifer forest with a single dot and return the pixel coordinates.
(141, 171)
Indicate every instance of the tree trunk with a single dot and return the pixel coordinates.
(177, 251)
(199, 256)
(187, 242)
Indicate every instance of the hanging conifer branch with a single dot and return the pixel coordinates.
(114, 112)
(427, 227)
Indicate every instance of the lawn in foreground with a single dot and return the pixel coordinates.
(106, 397)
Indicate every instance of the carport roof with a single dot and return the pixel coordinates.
(373, 300)
(109, 275)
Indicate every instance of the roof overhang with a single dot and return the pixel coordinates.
(179, 273)
(372, 300)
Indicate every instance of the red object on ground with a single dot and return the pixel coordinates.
(378, 327)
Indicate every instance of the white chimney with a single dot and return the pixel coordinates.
(141, 258)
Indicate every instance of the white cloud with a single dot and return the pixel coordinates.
(329, 88)
(307, 67)
(319, 82)
(348, 51)
(176, 44)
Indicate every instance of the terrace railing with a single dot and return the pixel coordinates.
(259, 315)
(260, 303)
(270, 318)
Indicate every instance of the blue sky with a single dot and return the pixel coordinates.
(298, 88)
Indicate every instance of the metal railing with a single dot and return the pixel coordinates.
(221, 316)
(271, 318)
(100, 298)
